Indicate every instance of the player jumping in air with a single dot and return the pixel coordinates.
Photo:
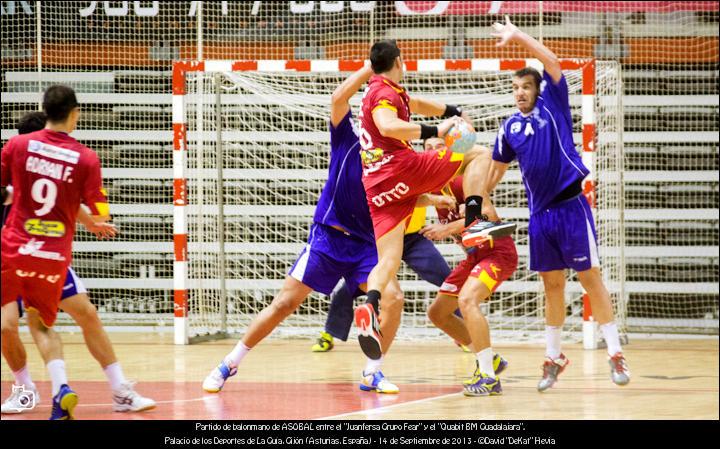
(561, 230)
(419, 253)
(51, 174)
(471, 282)
(76, 303)
(340, 245)
(395, 176)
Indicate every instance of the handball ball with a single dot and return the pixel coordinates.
(460, 138)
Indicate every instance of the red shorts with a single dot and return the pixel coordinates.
(491, 266)
(39, 282)
(394, 188)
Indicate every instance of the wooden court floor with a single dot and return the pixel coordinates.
(282, 379)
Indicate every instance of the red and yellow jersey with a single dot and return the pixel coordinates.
(377, 150)
(51, 174)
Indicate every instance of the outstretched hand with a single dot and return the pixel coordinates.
(505, 32)
(102, 230)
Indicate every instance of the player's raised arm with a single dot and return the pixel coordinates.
(340, 99)
(508, 32)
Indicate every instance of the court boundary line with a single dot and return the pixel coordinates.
(387, 407)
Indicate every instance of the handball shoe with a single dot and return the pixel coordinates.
(481, 230)
(126, 399)
(378, 383)
(324, 343)
(64, 404)
(551, 371)
(368, 331)
(619, 370)
(215, 381)
(482, 385)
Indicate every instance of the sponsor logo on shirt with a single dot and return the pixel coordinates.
(53, 152)
(372, 168)
(32, 248)
(515, 127)
(370, 156)
(35, 226)
(397, 192)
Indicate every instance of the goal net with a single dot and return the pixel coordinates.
(257, 157)
(118, 56)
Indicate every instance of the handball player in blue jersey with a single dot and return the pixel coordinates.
(561, 229)
(341, 244)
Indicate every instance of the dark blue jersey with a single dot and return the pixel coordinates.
(342, 201)
(542, 142)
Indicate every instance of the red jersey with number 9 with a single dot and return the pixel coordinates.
(377, 150)
(51, 174)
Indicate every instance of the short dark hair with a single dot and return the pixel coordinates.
(383, 54)
(58, 101)
(532, 72)
(31, 122)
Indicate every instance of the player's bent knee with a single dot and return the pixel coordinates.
(9, 327)
(434, 313)
(284, 305)
(82, 311)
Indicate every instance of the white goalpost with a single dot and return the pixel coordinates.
(250, 150)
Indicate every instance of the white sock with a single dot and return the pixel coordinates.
(610, 332)
(552, 341)
(58, 377)
(237, 354)
(22, 377)
(372, 366)
(485, 361)
(115, 375)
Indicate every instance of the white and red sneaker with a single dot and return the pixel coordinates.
(369, 335)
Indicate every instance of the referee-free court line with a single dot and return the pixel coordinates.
(390, 407)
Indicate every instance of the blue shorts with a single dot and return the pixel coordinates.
(563, 236)
(423, 257)
(73, 286)
(330, 255)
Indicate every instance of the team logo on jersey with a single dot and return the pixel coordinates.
(370, 156)
(35, 226)
(397, 192)
(495, 269)
(515, 127)
(529, 130)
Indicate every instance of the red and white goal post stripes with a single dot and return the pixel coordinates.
(180, 199)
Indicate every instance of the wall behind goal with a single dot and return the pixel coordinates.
(118, 55)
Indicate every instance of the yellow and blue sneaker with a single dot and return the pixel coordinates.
(215, 381)
(482, 385)
(499, 365)
(64, 403)
(378, 383)
(324, 343)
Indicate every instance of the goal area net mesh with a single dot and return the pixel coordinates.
(257, 158)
